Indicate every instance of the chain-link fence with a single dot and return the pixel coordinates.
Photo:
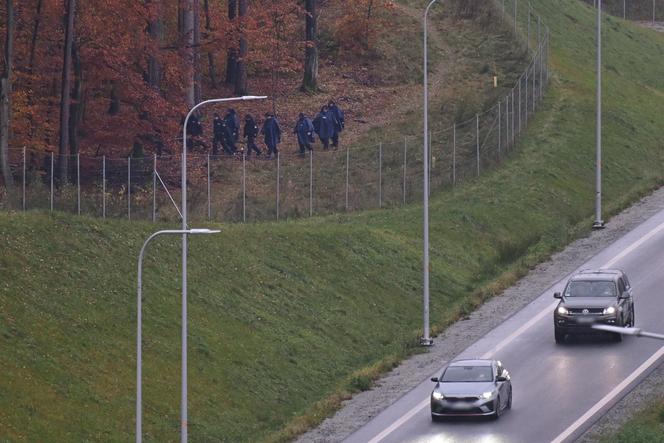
(637, 10)
(243, 189)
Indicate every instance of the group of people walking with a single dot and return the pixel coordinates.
(327, 124)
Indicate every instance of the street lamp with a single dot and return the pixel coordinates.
(139, 327)
(599, 223)
(636, 332)
(426, 339)
(183, 402)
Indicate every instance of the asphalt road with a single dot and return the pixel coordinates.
(559, 390)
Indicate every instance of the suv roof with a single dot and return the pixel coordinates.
(599, 274)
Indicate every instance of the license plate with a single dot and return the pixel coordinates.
(585, 320)
(460, 405)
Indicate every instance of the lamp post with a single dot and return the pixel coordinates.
(599, 223)
(139, 327)
(183, 402)
(426, 339)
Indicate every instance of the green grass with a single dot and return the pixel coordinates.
(286, 320)
(647, 427)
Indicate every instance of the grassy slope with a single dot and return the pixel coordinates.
(647, 427)
(284, 315)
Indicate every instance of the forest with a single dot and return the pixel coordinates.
(116, 77)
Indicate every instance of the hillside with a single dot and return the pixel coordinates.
(288, 318)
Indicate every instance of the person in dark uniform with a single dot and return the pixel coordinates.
(232, 130)
(324, 126)
(219, 127)
(272, 133)
(305, 133)
(338, 117)
(194, 131)
(250, 133)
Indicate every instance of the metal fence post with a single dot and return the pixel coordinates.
(209, 187)
(78, 182)
(154, 187)
(454, 154)
(500, 123)
(477, 141)
(653, 12)
(519, 129)
(103, 187)
(380, 175)
(244, 187)
(541, 62)
(526, 93)
(347, 173)
(405, 153)
(129, 187)
(528, 39)
(311, 183)
(513, 116)
(515, 15)
(52, 169)
(24, 175)
(430, 161)
(534, 76)
(278, 179)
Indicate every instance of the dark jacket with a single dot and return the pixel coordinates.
(250, 128)
(324, 124)
(194, 126)
(304, 130)
(219, 128)
(233, 125)
(338, 116)
(272, 131)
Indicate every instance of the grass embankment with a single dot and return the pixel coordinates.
(286, 319)
(647, 427)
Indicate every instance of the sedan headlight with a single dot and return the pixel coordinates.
(562, 310)
(610, 310)
(487, 395)
(437, 395)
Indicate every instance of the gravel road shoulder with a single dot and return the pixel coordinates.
(364, 406)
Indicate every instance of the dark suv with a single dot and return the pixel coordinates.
(603, 296)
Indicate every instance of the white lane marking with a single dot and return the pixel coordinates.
(608, 397)
(633, 246)
(520, 331)
(398, 423)
(387, 431)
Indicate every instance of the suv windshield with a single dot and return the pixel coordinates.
(591, 289)
(455, 374)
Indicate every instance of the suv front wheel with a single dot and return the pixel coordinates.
(559, 336)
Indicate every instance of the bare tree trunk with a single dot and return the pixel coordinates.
(310, 81)
(35, 33)
(76, 105)
(198, 93)
(210, 54)
(231, 61)
(6, 102)
(187, 34)
(65, 91)
(156, 30)
(241, 79)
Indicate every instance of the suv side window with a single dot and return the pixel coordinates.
(621, 286)
(627, 285)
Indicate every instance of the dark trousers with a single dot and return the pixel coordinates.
(272, 148)
(335, 139)
(251, 146)
(218, 140)
(304, 146)
(229, 145)
(326, 143)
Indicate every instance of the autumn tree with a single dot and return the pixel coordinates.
(5, 98)
(241, 74)
(231, 58)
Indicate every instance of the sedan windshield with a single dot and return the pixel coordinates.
(456, 374)
(591, 289)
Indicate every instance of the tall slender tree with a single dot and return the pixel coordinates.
(231, 60)
(310, 80)
(241, 77)
(208, 30)
(65, 92)
(198, 93)
(187, 36)
(156, 31)
(6, 99)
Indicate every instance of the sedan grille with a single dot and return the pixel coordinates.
(464, 399)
